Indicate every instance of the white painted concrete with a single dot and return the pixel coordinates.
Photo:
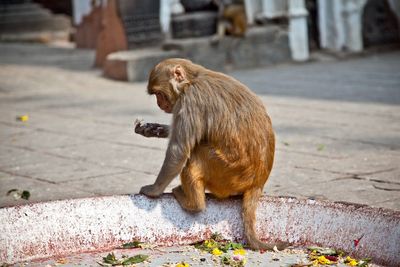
(63, 227)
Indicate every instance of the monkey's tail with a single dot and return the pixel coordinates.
(250, 202)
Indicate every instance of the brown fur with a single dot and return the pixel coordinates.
(236, 16)
(221, 139)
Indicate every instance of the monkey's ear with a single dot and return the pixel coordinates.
(179, 73)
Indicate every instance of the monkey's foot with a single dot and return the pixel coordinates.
(258, 245)
(186, 204)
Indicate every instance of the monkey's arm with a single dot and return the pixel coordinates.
(173, 164)
(178, 151)
(152, 129)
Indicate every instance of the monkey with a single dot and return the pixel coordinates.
(221, 139)
(232, 19)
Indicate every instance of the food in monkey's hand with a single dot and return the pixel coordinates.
(151, 129)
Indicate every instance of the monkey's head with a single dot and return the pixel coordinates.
(168, 80)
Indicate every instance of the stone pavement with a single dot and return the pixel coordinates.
(337, 124)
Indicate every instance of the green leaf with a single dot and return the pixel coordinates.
(25, 195)
(133, 244)
(321, 147)
(136, 259)
(110, 259)
(231, 246)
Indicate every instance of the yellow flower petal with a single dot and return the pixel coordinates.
(23, 118)
(350, 261)
(239, 252)
(209, 243)
(216, 252)
(182, 264)
(323, 260)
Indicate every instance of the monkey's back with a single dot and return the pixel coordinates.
(235, 123)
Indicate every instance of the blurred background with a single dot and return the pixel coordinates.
(276, 30)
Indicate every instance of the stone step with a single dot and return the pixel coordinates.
(135, 65)
(262, 46)
(29, 24)
(22, 15)
(16, 8)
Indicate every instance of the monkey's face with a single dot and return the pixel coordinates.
(163, 102)
(166, 82)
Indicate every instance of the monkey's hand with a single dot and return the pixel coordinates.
(151, 190)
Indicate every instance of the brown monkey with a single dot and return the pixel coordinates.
(232, 19)
(221, 139)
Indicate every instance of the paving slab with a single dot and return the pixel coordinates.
(122, 184)
(40, 191)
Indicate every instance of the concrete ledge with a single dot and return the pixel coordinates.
(65, 227)
(134, 65)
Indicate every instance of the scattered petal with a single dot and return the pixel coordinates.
(239, 252)
(23, 118)
(216, 252)
(62, 261)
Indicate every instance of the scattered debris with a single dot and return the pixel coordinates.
(18, 194)
(358, 263)
(111, 260)
(22, 118)
(286, 143)
(327, 256)
(323, 251)
(357, 241)
(61, 261)
(230, 253)
(182, 264)
(321, 147)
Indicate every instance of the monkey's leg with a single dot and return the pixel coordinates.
(190, 194)
(250, 202)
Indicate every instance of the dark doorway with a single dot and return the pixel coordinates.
(312, 23)
(380, 25)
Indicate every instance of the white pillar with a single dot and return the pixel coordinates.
(80, 8)
(323, 20)
(340, 24)
(298, 32)
(250, 7)
(330, 23)
(176, 7)
(352, 14)
(165, 15)
(273, 8)
(338, 32)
